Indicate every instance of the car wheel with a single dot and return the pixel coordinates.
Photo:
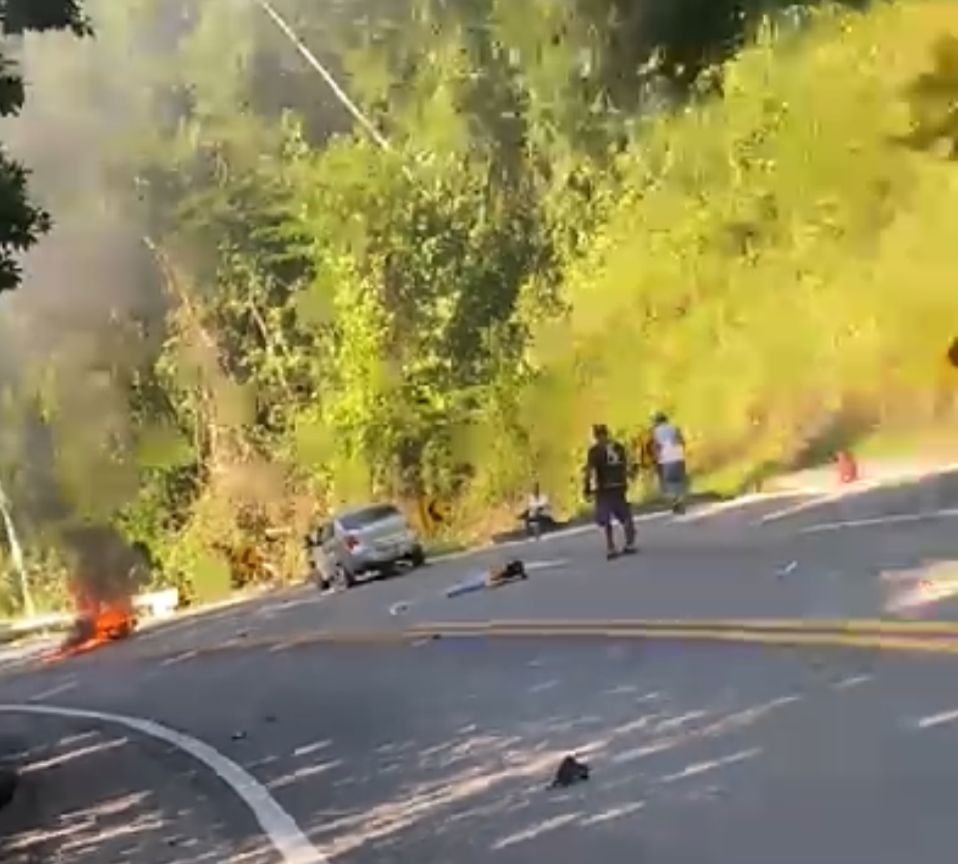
(342, 578)
(418, 557)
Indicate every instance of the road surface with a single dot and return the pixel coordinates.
(890, 553)
(441, 750)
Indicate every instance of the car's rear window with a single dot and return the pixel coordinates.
(368, 516)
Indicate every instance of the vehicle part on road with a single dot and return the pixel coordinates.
(8, 786)
(96, 624)
(238, 736)
(570, 772)
(279, 827)
(787, 570)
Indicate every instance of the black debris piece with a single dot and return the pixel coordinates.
(570, 772)
(8, 786)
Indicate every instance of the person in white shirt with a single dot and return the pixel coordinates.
(538, 511)
(669, 445)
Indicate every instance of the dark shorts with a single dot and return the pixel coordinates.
(612, 504)
(673, 478)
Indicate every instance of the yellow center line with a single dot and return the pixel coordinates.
(851, 626)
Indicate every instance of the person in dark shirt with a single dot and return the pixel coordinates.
(607, 477)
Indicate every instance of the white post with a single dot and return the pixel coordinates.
(311, 58)
(16, 554)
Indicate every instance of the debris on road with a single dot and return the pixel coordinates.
(8, 786)
(238, 736)
(787, 570)
(400, 608)
(570, 772)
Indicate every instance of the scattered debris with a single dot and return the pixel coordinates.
(785, 571)
(8, 786)
(238, 736)
(570, 772)
(400, 608)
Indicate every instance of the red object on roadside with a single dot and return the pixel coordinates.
(847, 467)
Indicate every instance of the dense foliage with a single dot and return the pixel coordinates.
(21, 222)
(591, 209)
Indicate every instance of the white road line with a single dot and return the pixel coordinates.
(709, 510)
(933, 720)
(561, 534)
(280, 828)
(795, 509)
(893, 519)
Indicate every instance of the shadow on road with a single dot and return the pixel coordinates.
(88, 796)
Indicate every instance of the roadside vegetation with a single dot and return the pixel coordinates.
(584, 211)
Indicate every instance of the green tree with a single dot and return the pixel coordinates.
(22, 222)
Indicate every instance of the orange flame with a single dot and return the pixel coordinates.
(97, 623)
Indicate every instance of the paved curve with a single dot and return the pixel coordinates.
(726, 563)
(440, 751)
(721, 754)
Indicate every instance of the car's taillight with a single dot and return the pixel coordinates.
(352, 541)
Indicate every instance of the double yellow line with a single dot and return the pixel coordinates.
(926, 636)
(936, 637)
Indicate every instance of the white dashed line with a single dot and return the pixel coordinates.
(933, 720)
(895, 519)
(795, 509)
(720, 507)
(279, 827)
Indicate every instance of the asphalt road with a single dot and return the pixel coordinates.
(886, 553)
(441, 750)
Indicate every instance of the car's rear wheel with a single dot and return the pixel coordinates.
(418, 557)
(342, 578)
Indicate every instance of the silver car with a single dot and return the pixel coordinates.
(370, 540)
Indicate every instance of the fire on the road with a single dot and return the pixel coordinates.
(98, 622)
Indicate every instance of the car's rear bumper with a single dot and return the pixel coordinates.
(375, 559)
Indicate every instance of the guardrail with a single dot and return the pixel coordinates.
(154, 605)
(13, 631)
